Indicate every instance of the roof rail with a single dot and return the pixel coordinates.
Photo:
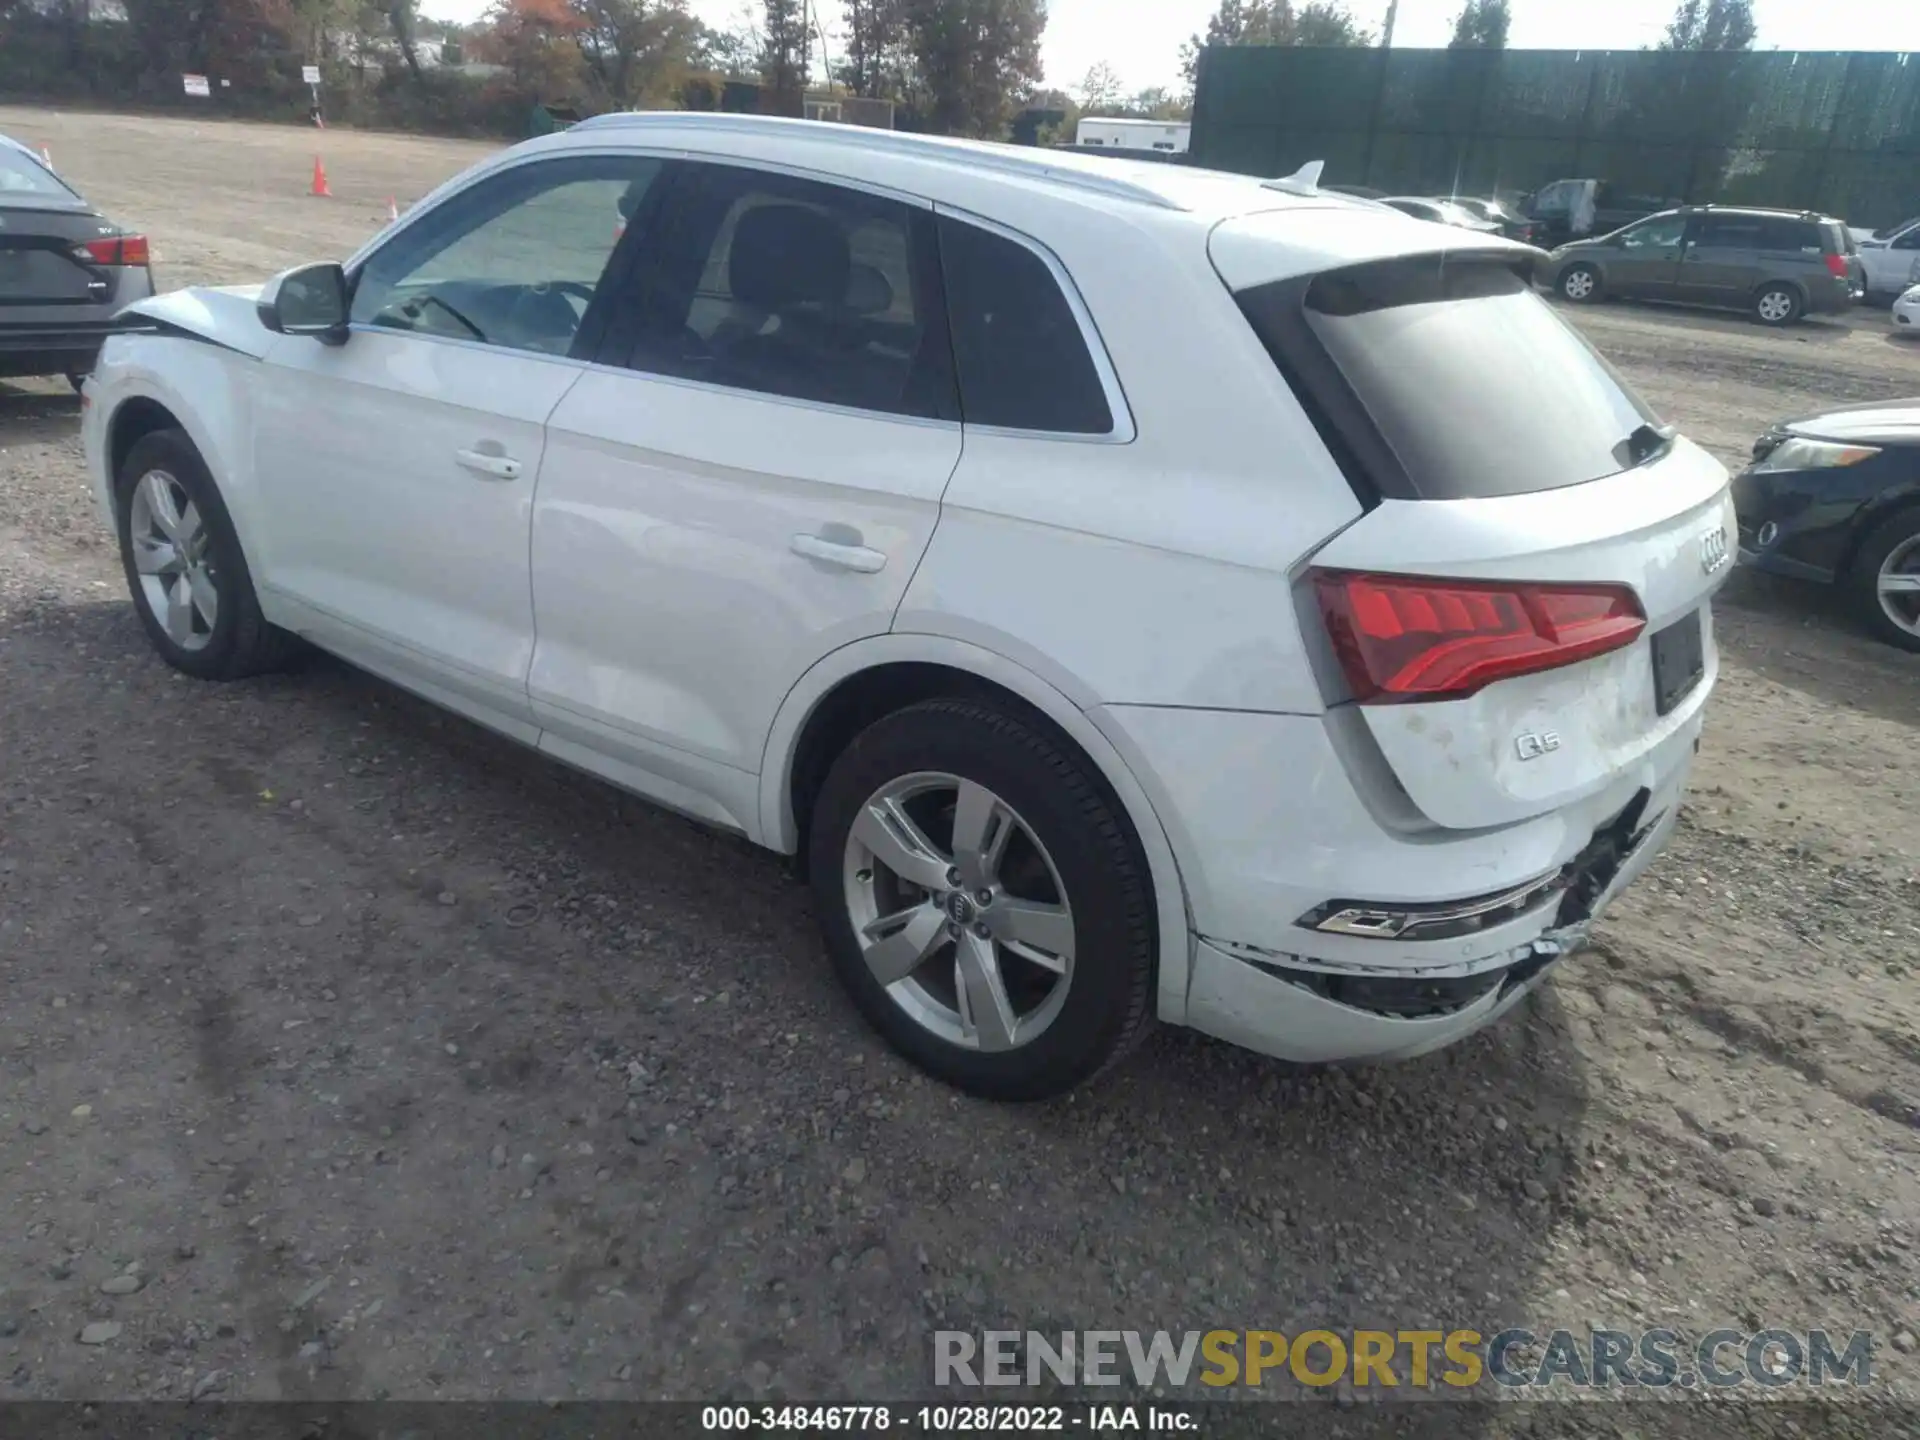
(1011, 160)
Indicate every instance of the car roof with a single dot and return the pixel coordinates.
(938, 167)
(1757, 211)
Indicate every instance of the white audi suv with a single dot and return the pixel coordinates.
(1128, 591)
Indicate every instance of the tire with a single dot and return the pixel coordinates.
(1893, 547)
(1072, 862)
(1777, 305)
(1579, 284)
(237, 641)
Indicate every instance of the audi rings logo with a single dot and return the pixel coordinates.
(1713, 549)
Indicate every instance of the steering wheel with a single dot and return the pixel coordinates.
(411, 310)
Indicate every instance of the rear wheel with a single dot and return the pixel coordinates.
(984, 903)
(184, 568)
(1580, 284)
(1885, 581)
(1777, 305)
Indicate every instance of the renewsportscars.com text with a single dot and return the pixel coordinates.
(1514, 1358)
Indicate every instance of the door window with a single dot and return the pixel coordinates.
(1661, 234)
(1910, 240)
(1021, 351)
(513, 261)
(764, 282)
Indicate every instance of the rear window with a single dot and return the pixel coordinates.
(1836, 239)
(1447, 378)
(22, 177)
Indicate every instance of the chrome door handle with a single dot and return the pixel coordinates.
(847, 557)
(491, 467)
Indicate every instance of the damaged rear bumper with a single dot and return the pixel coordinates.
(1308, 1010)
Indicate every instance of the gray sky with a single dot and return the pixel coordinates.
(1141, 39)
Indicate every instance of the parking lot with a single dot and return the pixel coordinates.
(392, 1060)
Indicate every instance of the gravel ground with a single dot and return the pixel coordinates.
(348, 1051)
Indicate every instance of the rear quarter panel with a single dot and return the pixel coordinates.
(1153, 571)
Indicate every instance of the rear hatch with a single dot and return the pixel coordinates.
(1520, 614)
(1842, 253)
(47, 273)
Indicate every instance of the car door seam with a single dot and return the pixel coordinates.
(939, 515)
(533, 509)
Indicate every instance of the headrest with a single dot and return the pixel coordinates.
(788, 255)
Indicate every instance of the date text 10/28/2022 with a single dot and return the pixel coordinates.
(948, 1419)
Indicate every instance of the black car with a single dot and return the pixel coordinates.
(64, 271)
(1835, 498)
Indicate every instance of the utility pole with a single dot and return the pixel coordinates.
(1386, 31)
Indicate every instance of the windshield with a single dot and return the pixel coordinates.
(1887, 232)
(22, 176)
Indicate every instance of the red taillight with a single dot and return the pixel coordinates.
(1837, 267)
(115, 250)
(1404, 637)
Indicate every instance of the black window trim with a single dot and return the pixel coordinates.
(1123, 431)
(923, 255)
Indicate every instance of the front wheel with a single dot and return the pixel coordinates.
(184, 567)
(984, 902)
(1580, 284)
(1885, 581)
(1777, 305)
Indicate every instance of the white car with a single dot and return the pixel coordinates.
(1906, 312)
(1891, 257)
(1129, 591)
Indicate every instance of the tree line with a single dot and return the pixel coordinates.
(951, 66)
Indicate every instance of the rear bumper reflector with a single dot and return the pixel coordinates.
(1432, 922)
(1577, 885)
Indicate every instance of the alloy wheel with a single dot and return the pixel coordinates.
(959, 911)
(1775, 306)
(1898, 585)
(1578, 284)
(172, 554)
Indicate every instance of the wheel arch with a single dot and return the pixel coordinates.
(135, 418)
(147, 387)
(857, 684)
(1780, 282)
(1870, 517)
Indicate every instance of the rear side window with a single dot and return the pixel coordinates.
(21, 177)
(1448, 378)
(1021, 353)
(764, 282)
(1789, 235)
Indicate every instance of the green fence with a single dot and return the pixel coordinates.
(1838, 132)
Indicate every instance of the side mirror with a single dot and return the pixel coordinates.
(311, 300)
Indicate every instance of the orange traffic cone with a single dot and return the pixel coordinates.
(393, 210)
(320, 179)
